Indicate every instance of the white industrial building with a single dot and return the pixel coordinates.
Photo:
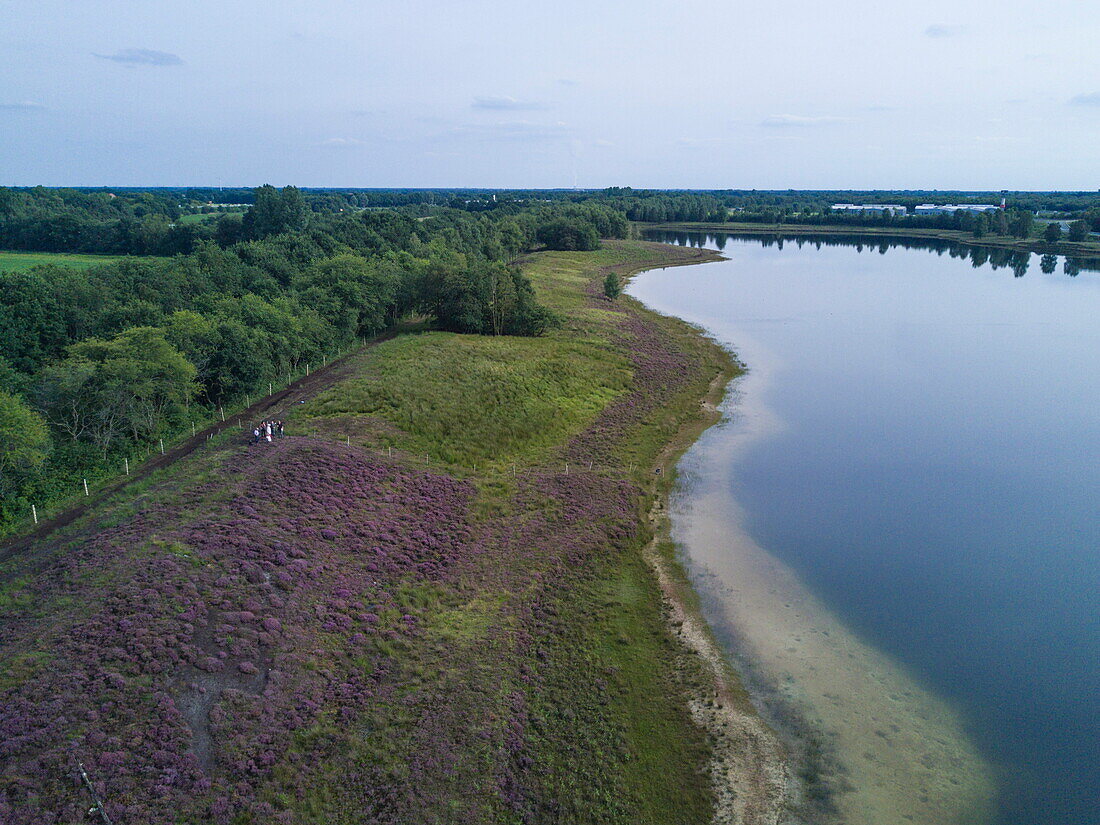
(952, 208)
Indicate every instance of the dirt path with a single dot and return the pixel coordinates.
(277, 403)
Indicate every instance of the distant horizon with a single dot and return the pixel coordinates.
(346, 188)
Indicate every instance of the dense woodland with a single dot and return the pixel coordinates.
(101, 363)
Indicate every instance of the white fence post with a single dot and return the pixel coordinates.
(162, 446)
(34, 512)
(85, 486)
(127, 465)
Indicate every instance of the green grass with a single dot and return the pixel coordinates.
(467, 400)
(207, 217)
(19, 261)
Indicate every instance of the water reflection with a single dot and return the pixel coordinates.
(917, 440)
(995, 257)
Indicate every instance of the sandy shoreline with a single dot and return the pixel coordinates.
(850, 735)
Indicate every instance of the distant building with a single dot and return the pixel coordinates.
(952, 208)
(870, 208)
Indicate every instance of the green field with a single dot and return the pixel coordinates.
(208, 217)
(19, 261)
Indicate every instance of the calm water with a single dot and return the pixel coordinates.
(934, 476)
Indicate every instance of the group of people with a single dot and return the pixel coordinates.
(265, 430)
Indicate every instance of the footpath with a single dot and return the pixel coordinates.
(301, 389)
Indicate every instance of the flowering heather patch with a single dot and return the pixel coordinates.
(319, 635)
(661, 369)
(186, 658)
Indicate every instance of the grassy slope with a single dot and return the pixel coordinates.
(480, 406)
(543, 635)
(18, 261)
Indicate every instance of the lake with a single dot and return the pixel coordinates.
(896, 531)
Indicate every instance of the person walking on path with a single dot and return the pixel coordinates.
(269, 432)
(280, 425)
(255, 435)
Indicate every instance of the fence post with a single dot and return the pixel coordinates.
(222, 411)
(349, 440)
(269, 388)
(127, 465)
(162, 446)
(307, 369)
(98, 806)
(85, 486)
(34, 512)
(567, 468)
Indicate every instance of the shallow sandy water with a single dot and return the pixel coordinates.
(903, 752)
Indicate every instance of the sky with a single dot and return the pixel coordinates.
(710, 94)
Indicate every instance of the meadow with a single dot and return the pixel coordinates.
(19, 261)
(332, 628)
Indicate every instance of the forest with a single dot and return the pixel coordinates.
(101, 363)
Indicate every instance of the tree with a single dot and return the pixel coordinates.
(1020, 223)
(568, 235)
(24, 442)
(350, 292)
(611, 286)
(1078, 231)
(274, 212)
(1053, 232)
(133, 384)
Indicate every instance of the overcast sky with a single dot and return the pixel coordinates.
(972, 94)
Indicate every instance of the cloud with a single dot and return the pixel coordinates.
(514, 130)
(342, 141)
(22, 106)
(1086, 100)
(142, 57)
(697, 142)
(940, 30)
(799, 121)
(505, 104)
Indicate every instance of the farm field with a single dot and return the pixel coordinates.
(18, 261)
(429, 602)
